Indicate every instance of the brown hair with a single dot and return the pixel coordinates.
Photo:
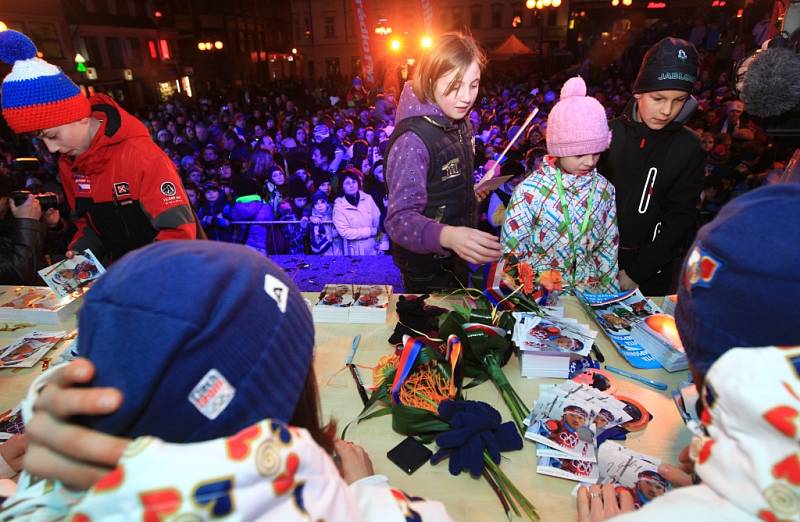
(450, 51)
(307, 415)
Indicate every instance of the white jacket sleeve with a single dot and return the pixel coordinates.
(380, 502)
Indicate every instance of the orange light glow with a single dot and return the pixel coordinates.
(664, 325)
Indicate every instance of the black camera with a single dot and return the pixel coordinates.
(47, 200)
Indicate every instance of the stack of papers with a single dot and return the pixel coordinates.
(615, 314)
(549, 343)
(334, 304)
(630, 471)
(37, 305)
(339, 303)
(658, 335)
(565, 423)
(371, 303)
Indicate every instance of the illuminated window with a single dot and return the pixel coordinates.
(164, 47)
(151, 46)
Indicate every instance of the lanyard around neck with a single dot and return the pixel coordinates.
(587, 218)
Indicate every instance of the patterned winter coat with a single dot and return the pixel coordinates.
(535, 229)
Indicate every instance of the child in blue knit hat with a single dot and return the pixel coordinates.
(204, 366)
(737, 301)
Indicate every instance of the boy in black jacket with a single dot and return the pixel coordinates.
(656, 165)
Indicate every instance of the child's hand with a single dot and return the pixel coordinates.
(482, 194)
(76, 456)
(13, 450)
(625, 282)
(315, 220)
(471, 245)
(354, 463)
(600, 503)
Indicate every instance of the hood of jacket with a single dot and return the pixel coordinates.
(751, 399)
(117, 126)
(410, 106)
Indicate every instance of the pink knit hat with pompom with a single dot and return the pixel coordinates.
(577, 125)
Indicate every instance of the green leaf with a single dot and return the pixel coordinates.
(416, 421)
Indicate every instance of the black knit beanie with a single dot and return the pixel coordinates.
(671, 64)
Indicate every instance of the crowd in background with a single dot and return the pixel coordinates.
(298, 168)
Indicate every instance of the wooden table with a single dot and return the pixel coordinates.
(469, 499)
(466, 499)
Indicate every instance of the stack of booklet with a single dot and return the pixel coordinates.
(615, 314)
(67, 281)
(550, 342)
(629, 471)
(36, 305)
(659, 336)
(565, 423)
(340, 303)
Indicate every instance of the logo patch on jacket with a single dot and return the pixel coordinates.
(701, 269)
(122, 189)
(451, 169)
(168, 188)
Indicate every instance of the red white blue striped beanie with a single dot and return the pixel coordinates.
(36, 95)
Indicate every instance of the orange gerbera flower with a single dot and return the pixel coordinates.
(551, 280)
(526, 277)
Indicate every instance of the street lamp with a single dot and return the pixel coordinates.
(218, 45)
(541, 5)
(395, 44)
(426, 42)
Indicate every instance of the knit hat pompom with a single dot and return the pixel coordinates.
(577, 124)
(36, 94)
(574, 88)
(16, 46)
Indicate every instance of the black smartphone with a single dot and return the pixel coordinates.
(409, 455)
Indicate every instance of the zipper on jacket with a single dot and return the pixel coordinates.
(647, 190)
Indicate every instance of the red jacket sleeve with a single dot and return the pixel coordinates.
(163, 199)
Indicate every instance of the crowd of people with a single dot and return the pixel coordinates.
(281, 156)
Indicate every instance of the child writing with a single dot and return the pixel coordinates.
(563, 215)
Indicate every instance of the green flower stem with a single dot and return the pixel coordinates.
(510, 490)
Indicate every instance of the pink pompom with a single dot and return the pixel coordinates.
(574, 87)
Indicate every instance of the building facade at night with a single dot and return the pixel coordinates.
(328, 36)
(127, 52)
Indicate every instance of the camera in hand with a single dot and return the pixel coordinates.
(47, 200)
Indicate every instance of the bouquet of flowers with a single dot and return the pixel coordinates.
(420, 388)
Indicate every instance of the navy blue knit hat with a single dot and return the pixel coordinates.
(741, 280)
(671, 64)
(202, 338)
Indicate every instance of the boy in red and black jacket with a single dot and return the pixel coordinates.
(123, 191)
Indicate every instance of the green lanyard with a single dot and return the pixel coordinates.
(584, 225)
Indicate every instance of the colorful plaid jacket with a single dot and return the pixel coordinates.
(535, 229)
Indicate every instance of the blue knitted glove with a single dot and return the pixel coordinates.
(474, 427)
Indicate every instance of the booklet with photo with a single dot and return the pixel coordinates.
(632, 471)
(550, 335)
(372, 296)
(614, 314)
(26, 351)
(564, 424)
(578, 470)
(334, 295)
(69, 275)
